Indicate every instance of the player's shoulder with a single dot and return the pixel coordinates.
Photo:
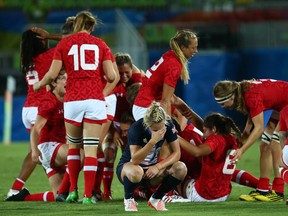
(137, 127)
(48, 99)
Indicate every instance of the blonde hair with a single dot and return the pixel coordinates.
(226, 87)
(84, 20)
(182, 38)
(155, 114)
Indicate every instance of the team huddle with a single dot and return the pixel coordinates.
(84, 103)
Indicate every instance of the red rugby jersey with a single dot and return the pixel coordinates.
(82, 55)
(41, 65)
(212, 182)
(266, 94)
(166, 70)
(51, 109)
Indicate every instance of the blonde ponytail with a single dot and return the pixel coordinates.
(182, 38)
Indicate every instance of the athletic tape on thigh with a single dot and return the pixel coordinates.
(275, 137)
(74, 140)
(91, 141)
(266, 138)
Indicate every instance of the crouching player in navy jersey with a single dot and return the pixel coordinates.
(139, 161)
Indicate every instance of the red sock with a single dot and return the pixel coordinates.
(18, 184)
(47, 196)
(90, 167)
(245, 178)
(278, 185)
(284, 175)
(108, 177)
(263, 185)
(99, 174)
(65, 184)
(74, 166)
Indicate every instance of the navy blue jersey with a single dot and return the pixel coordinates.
(139, 135)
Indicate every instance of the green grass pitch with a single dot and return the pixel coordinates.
(11, 160)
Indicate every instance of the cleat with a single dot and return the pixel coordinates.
(250, 197)
(130, 205)
(72, 197)
(175, 199)
(107, 196)
(61, 197)
(19, 196)
(271, 196)
(97, 196)
(87, 200)
(157, 204)
(12, 192)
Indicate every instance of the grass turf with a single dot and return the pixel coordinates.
(13, 155)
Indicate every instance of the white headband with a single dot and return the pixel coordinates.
(224, 99)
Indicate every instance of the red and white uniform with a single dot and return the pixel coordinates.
(167, 70)
(283, 126)
(82, 55)
(266, 94)
(213, 183)
(41, 65)
(53, 134)
(111, 99)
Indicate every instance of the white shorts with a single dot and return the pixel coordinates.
(193, 195)
(111, 102)
(90, 110)
(29, 115)
(138, 112)
(285, 155)
(48, 152)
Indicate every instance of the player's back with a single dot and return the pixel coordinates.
(82, 55)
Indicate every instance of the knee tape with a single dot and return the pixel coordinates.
(266, 138)
(275, 137)
(74, 140)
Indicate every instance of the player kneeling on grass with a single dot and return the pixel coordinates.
(47, 138)
(139, 161)
(214, 182)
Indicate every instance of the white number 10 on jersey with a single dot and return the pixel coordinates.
(81, 56)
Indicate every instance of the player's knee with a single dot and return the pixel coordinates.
(179, 170)
(109, 150)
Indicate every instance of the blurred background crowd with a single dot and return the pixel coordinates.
(238, 39)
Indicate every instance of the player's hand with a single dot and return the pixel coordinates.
(237, 155)
(118, 141)
(36, 86)
(158, 135)
(42, 34)
(36, 156)
(153, 171)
